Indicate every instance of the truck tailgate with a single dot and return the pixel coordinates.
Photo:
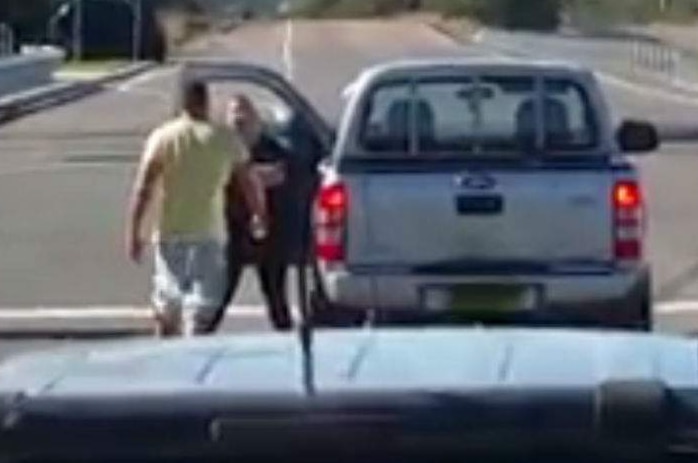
(507, 216)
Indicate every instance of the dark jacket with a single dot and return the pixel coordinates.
(290, 203)
(267, 149)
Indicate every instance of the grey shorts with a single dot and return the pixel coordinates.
(190, 279)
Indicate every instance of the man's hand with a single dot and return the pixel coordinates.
(259, 227)
(134, 247)
(253, 190)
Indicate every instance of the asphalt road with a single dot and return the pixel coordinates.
(65, 172)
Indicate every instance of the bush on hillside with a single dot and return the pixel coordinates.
(534, 14)
(539, 15)
(600, 13)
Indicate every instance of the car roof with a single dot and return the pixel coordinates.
(351, 361)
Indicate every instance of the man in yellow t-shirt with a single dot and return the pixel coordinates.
(184, 172)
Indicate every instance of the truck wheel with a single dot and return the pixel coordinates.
(646, 320)
(639, 307)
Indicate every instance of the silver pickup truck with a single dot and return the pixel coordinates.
(484, 189)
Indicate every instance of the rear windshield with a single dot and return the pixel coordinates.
(494, 114)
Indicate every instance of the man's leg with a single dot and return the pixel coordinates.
(167, 322)
(169, 282)
(211, 288)
(272, 278)
(234, 269)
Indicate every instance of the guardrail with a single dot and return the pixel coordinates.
(22, 72)
(657, 58)
(675, 66)
(46, 96)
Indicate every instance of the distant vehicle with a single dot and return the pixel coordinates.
(364, 396)
(494, 190)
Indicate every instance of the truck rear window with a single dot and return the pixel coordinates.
(494, 114)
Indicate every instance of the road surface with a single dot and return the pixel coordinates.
(65, 172)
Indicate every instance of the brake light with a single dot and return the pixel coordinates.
(331, 208)
(628, 220)
(627, 195)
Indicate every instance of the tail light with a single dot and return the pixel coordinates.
(628, 217)
(331, 208)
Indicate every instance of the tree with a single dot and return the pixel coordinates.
(26, 17)
(540, 15)
(22, 10)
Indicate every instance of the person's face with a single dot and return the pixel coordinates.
(243, 116)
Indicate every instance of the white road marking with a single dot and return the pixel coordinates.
(161, 94)
(244, 310)
(288, 50)
(51, 168)
(145, 77)
(676, 307)
(46, 168)
(107, 313)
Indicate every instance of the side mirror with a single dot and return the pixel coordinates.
(637, 137)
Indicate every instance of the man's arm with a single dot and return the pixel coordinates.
(141, 196)
(253, 191)
(250, 183)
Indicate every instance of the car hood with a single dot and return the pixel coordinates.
(362, 360)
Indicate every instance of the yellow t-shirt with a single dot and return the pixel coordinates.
(198, 158)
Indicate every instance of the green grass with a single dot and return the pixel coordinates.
(93, 65)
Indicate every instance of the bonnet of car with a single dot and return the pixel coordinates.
(411, 393)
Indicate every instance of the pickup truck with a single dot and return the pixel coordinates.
(486, 189)
(494, 190)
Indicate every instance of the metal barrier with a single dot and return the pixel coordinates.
(656, 58)
(23, 72)
(7, 40)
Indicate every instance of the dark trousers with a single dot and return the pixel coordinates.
(271, 273)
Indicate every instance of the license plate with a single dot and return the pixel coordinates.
(482, 298)
(492, 298)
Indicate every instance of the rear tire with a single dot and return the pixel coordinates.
(638, 306)
(645, 320)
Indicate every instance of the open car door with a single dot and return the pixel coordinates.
(307, 135)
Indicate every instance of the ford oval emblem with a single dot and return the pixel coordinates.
(476, 181)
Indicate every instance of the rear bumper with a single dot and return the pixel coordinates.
(614, 298)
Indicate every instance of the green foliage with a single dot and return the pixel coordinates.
(13, 11)
(601, 13)
(355, 8)
(451, 8)
(27, 18)
(533, 14)
(518, 14)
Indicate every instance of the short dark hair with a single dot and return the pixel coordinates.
(195, 94)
